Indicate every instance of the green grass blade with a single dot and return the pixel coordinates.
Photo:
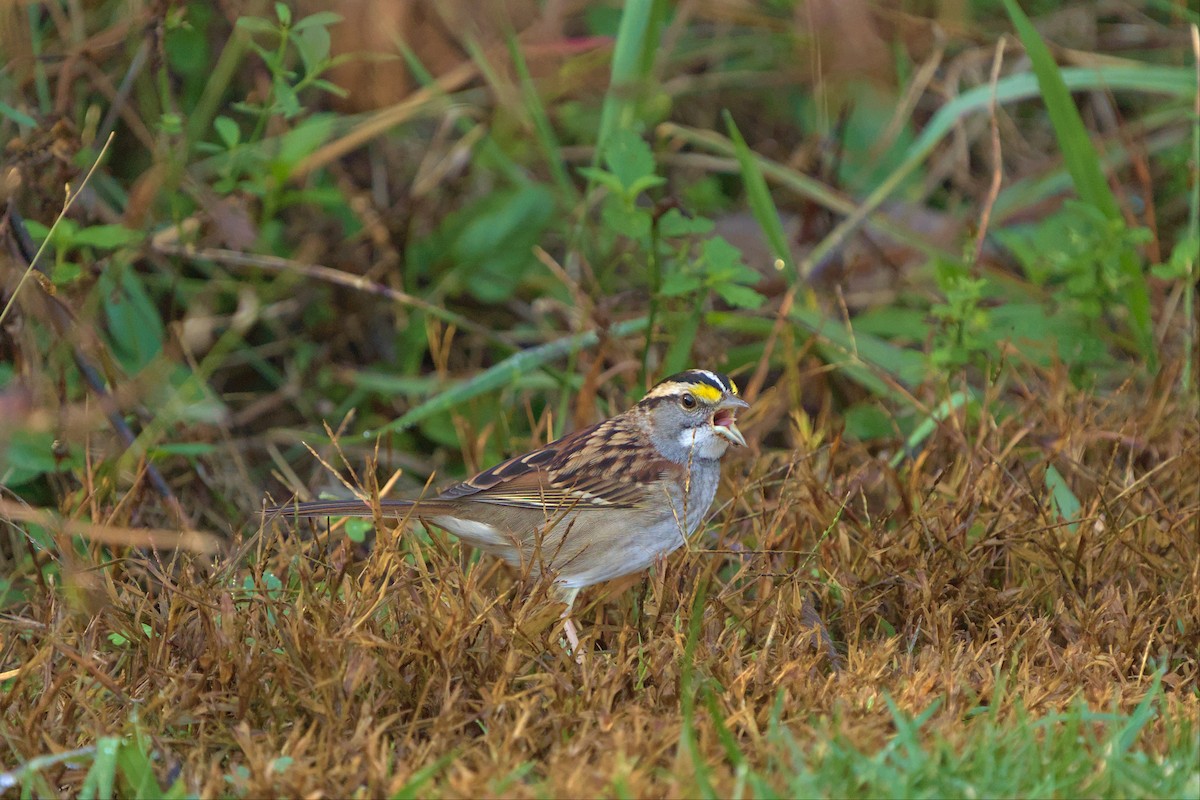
(689, 688)
(1170, 81)
(503, 373)
(728, 741)
(1083, 164)
(99, 781)
(929, 425)
(1125, 737)
(761, 204)
(16, 115)
(1192, 387)
(542, 129)
(863, 357)
(28, 774)
(137, 769)
(412, 789)
(1078, 153)
(628, 69)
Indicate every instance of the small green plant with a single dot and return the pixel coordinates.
(279, 43)
(1071, 310)
(1076, 254)
(960, 335)
(308, 39)
(687, 264)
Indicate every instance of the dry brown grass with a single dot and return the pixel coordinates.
(297, 663)
(935, 580)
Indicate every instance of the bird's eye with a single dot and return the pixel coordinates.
(688, 401)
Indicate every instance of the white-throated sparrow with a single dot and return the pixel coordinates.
(599, 503)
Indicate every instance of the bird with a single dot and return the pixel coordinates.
(599, 503)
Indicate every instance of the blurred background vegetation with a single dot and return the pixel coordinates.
(420, 236)
(448, 187)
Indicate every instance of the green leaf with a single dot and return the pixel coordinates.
(323, 19)
(313, 46)
(357, 529)
(1066, 504)
(719, 257)
(683, 336)
(680, 283)
(894, 323)
(619, 111)
(30, 453)
(256, 25)
(331, 88)
(228, 131)
(1182, 261)
(867, 421)
(286, 98)
(494, 250)
(630, 159)
(644, 184)
(171, 123)
(633, 222)
(604, 178)
(133, 321)
(300, 142)
(739, 296)
(106, 237)
(674, 224)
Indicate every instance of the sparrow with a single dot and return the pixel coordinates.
(599, 503)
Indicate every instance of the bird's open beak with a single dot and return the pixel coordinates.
(724, 420)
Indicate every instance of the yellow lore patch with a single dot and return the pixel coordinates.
(709, 394)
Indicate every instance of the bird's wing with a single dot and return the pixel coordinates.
(602, 466)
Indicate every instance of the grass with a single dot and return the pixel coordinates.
(959, 558)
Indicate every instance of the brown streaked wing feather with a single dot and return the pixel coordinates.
(506, 472)
(615, 467)
(570, 471)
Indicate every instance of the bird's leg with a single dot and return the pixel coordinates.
(568, 594)
(572, 634)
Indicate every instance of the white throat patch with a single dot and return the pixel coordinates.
(702, 442)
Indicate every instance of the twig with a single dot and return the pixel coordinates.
(195, 541)
(232, 258)
(62, 320)
(70, 201)
(997, 158)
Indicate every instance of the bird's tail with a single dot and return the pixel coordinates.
(347, 508)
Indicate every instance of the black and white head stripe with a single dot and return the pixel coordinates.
(709, 386)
